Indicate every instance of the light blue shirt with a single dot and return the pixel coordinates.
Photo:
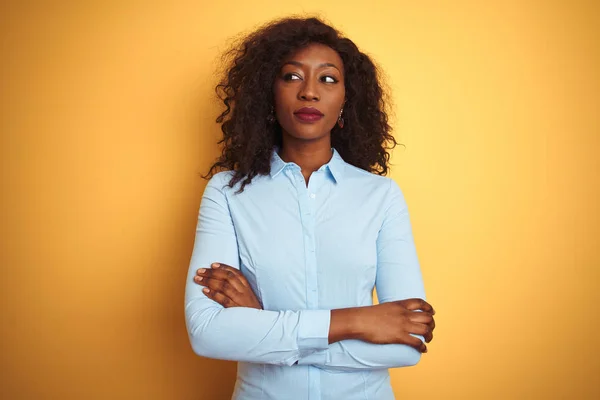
(305, 251)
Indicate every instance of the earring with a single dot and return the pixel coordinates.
(340, 119)
(271, 116)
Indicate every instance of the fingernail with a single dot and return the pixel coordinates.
(202, 270)
(198, 278)
(216, 265)
(206, 290)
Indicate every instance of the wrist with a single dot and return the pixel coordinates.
(357, 323)
(346, 323)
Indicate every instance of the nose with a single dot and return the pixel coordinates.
(308, 91)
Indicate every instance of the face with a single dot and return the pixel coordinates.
(309, 92)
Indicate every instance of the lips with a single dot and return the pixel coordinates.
(308, 114)
(309, 110)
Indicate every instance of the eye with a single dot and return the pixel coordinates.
(291, 77)
(328, 79)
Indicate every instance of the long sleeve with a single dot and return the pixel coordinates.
(398, 277)
(241, 334)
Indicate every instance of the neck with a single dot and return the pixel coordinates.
(310, 156)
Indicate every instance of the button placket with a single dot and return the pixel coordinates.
(306, 205)
(308, 196)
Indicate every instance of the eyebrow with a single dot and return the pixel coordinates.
(299, 64)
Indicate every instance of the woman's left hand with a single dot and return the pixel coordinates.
(227, 286)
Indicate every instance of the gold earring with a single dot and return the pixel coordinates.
(340, 119)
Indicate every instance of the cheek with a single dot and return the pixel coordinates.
(331, 120)
(285, 103)
(282, 96)
(342, 96)
(337, 101)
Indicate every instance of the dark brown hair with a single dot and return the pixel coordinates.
(246, 90)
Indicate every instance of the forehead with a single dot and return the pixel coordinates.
(316, 53)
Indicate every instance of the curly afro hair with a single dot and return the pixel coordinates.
(246, 90)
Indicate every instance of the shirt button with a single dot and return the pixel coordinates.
(312, 195)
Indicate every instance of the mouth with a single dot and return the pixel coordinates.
(308, 114)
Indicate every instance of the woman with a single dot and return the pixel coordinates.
(301, 225)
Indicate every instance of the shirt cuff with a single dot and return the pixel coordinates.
(321, 357)
(313, 331)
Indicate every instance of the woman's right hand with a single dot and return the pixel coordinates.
(393, 322)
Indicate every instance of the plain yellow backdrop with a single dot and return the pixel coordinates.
(107, 120)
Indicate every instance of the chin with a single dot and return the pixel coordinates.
(308, 135)
(305, 132)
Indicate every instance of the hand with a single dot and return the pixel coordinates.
(393, 322)
(227, 286)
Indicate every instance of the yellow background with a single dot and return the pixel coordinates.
(107, 119)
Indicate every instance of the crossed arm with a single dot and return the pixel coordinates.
(228, 322)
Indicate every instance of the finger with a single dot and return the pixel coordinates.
(418, 304)
(416, 343)
(423, 330)
(428, 337)
(230, 287)
(421, 317)
(419, 329)
(231, 270)
(223, 272)
(223, 275)
(200, 280)
(219, 298)
(224, 287)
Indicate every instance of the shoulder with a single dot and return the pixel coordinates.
(381, 189)
(220, 180)
(360, 177)
(218, 185)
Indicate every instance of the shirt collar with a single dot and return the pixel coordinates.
(335, 166)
